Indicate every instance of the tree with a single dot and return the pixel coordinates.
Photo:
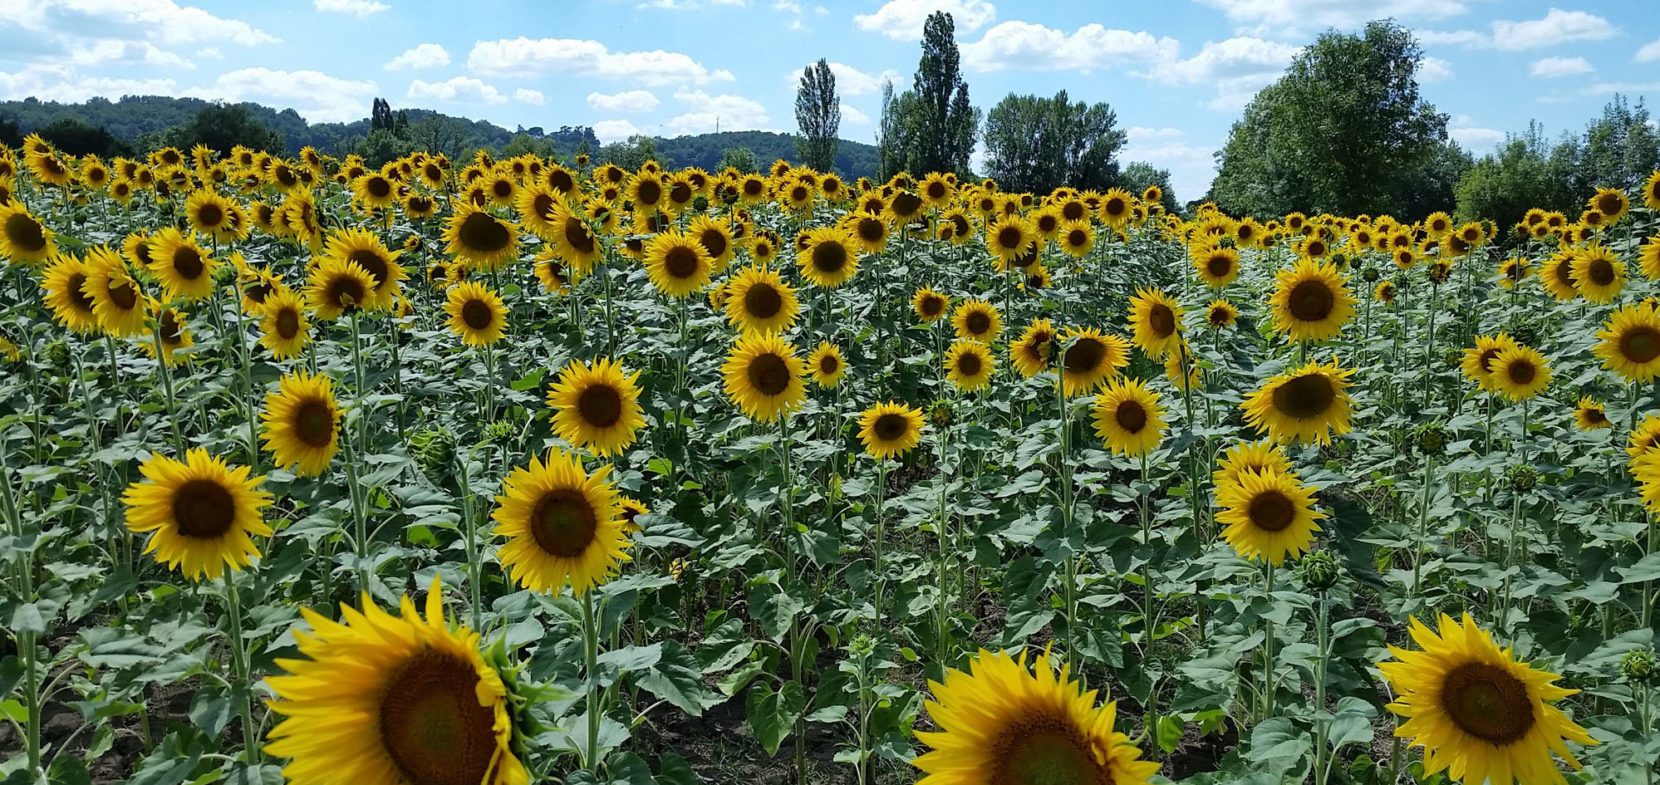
(79, 138)
(380, 146)
(894, 140)
(1621, 149)
(1039, 144)
(630, 154)
(224, 126)
(11, 134)
(440, 134)
(1137, 175)
(740, 158)
(1343, 131)
(380, 116)
(943, 122)
(1523, 173)
(818, 113)
(520, 144)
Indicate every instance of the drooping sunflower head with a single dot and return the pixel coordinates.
(1088, 358)
(1128, 418)
(827, 365)
(677, 263)
(758, 300)
(929, 305)
(426, 706)
(1220, 314)
(1520, 372)
(1478, 713)
(563, 526)
(479, 238)
(596, 407)
(476, 313)
(1155, 322)
(1032, 352)
(1002, 723)
(762, 375)
(969, 365)
(828, 256)
(302, 423)
(1310, 404)
(1311, 302)
(889, 429)
(1591, 415)
(977, 320)
(201, 513)
(1267, 516)
(1629, 343)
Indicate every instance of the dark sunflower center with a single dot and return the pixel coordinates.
(959, 225)
(1116, 206)
(560, 180)
(769, 374)
(1073, 211)
(314, 423)
(257, 291)
(932, 306)
(680, 262)
(1521, 371)
(936, 190)
(1601, 272)
(969, 364)
(1131, 416)
(1162, 320)
(1219, 317)
(188, 263)
(378, 187)
(1038, 345)
(1640, 345)
(483, 233)
(978, 322)
(564, 523)
(754, 187)
(1311, 301)
(477, 314)
(372, 263)
(762, 301)
(1272, 511)
(1219, 266)
(1608, 203)
(1595, 415)
(203, 509)
(288, 323)
(829, 257)
(1305, 397)
(890, 427)
(1316, 248)
(124, 296)
(210, 215)
(577, 236)
(432, 173)
(1084, 356)
(600, 406)
(714, 242)
(680, 193)
(1047, 223)
(1009, 237)
(1564, 272)
(1044, 750)
(431, 723)
(1488, 703)
(828, 364)
(906, 204)
(870, 230)
(346, 291)
(502, 188)
(78, 298)
(1077, 238)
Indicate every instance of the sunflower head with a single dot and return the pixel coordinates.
(476, 313)
(1088, 358)
(1267, 516)
(762, 375)
(889, 430)
(678, 264)
(596, 407)
(929, 305)
(977, 320)
(302, 423)
(479, 238)
(1311, 302)
(969, 365)
(563, 526)
(1309, 404)
(201, 513)
(1520, 372)
(1155, 321)
(1128, 418)
(1032, 352)
(758, 300)
(827, 365)
(827, 256)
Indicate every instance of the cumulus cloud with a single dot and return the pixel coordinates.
(1472, 137)
(1039, 48)
(1557, 27)
(628, 101)
(902, 20)
(1649, 53)
(421, 56)
(1434, 69)
(573, 57)
(525, 95)
(1237, 67)
(1552, 67)
(852, 116)
(1292, 18)
(57, 82)
(607, 131)
(318, 97)
(358, 8)
(1191, 166)
(706, 113)
(108, 50)
(160, 21)
(852, 81)
(460, 89)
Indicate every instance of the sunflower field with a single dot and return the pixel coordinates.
(509, 471)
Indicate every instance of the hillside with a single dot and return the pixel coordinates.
(133, 117)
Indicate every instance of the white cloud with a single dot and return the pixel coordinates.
(421, 56)
(573, 57)
(1293, 17)
(525, 95)
(1434, 69)
(1473, 138)
(1552, 67)
(608, 131)
(57, 82)
(1035, 47)
(707, 113)
(852, 116)
(460, 89)
(629, 101)
(161, 21)
(1557, 27)
(358, 8)
(318, 97)
(110, 50)
(1649, 53)
(852, 81)
(1191, 166)
(902, 20)
(1237, 67)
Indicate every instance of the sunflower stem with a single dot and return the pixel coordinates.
(876, 550)
(590, 656)
(1142, 500)
(239, 663)
(1423, 527)
(167, 386)
(1323, 652)
(475, 566)
(25, 639)
(245, 353)
(1268, 650)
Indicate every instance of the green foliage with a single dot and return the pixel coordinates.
(1525, 172)
(381, 146)
(740, 158)
(818, 113)
(224, 126)
(525, 144)
(1343, 131)
(930, 128)
(77, 138)
(1039, 144)
(853, 159)
(1137, 175)
(1620, 150)
(628, 154)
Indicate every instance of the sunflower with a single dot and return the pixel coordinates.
(977, 320)
(1115, 207)
(1090, 358)
(201, 514)
(65, 284)
(1217, 265)
(479, 238)
(116, 300)
(302, 423)
(970, 365)
(1267, 515)
(929, 305)
(1520, 372)
(1512, 271)
(173, 332)
(826, 365)
(366, 250)
(1260, 457)
(1478, 713)
(1651, 191)
(1031, 354)
(572, 238)
(646, 191)
(1128, 418)
(1591, 415)
(1477, 362)
(1002, 724)
(1311, 302)
(1648, 258)
(758, 300)
(1156, 322)
(868, 230)
(476, 313)
(716, 239)
(1076, 239)
(828, 257)
(1612, 203)
(1599, 273)
(1630, 343)
(1009, 238)
(889, 430)
(1307, 405)
(596, 407)
(763, 376)
(678, 264)
(337, 287)
(1557, 276)
(1220, 313)
(393, 699)
(184, 268)
(284, 328)
(563, 526)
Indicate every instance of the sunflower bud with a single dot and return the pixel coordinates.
(1432, 439)
(433, 448)
(1371, 275)
(1638, 667)
(1339, 260)
(1319, 571)
(499, 431)
(1522, 477)
(57, 353)
(940, 414)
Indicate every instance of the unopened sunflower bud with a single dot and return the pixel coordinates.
(1639, 667)
(1371, 275)
(1432, 439)
(1319, 571)
(433, 448)
(57, 353)
(500, 430)
(941, 414)
(1522, 478)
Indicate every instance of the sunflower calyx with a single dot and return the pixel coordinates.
(1432, 439)
(1639, 667)
(433, 448)
(1522, 477)
(1319, 571)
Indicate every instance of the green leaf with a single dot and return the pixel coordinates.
(772, 715)
(1170, 729)
(676, 678)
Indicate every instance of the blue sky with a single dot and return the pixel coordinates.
(1177, 73)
